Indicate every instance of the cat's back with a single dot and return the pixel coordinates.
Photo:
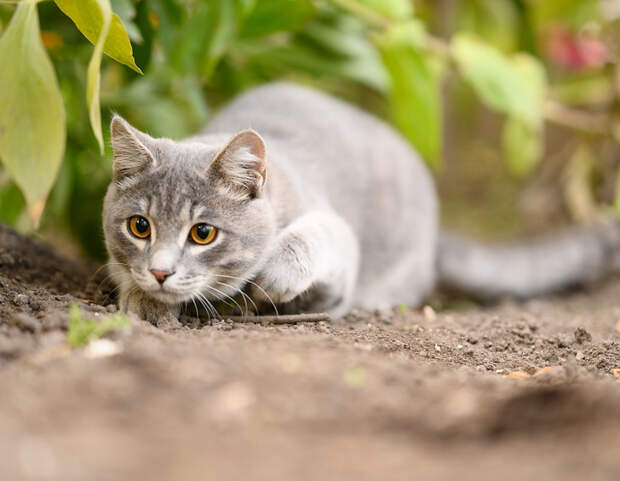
(335, 154)
(327, 140)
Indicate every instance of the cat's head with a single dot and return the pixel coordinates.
(186, 218)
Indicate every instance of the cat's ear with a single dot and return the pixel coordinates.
(241, 164)
(131, 156)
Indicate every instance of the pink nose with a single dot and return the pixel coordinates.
(161, 276)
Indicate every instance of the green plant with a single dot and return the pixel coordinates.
(516, 57)
(32, 117)
(81, 331)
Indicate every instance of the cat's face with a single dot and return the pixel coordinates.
(184, 220)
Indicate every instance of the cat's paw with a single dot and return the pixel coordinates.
(281, 282)
(150, 310)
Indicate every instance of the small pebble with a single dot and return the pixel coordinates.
(581, 335)
(579, 356)
(616, 372)
(6, 259)
(21, 299)
(25, 322)
(35, 305)
(111, 308)
(102, 348)
(437, 348)
(429, 313)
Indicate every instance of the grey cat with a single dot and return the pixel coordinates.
(296, 198)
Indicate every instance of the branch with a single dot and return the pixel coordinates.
(591, 123)
(284, 319)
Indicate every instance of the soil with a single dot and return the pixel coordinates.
(512, 391)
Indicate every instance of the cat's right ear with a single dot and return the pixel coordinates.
(131, 156)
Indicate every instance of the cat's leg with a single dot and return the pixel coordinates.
(313, 266)
(132, 300)
(144, 307)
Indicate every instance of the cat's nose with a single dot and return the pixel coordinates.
(160, 275)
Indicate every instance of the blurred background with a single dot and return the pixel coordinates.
(514, 104)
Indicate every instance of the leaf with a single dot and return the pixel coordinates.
(82, 331)
(534, 86)
(89, 19)
(523, 146)
(568, 12)
(270, 16)
(32, 114)
(496, 21)
(93, 75)
(394, 9)
(415, 99)
(513, 86)
(222, 26)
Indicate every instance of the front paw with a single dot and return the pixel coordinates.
(281, 282)
(148, 309)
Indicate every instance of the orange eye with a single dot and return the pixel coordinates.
(139, 227)
(203, 234)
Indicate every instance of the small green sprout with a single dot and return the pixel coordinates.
(82, 331)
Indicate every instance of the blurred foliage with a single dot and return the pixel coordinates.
(391, 57)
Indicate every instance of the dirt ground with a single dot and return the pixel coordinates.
(514, 391)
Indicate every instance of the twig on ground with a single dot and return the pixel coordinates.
(283, 319)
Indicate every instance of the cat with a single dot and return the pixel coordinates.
(300, 200)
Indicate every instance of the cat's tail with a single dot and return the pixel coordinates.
(529, 268)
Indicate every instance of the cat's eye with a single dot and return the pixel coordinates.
(139, 226)
(203, 234)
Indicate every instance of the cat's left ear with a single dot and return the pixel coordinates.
(241, 164)
(131, 155)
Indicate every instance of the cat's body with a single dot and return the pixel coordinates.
(330, 210)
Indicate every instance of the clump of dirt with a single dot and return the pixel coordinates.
(504, 392)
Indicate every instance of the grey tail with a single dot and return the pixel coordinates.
(529, 268)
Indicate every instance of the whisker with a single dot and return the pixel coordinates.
(228, 297)
(194, 294)
(207, 304)
(254, 284)
(244, 296)
(196, 307)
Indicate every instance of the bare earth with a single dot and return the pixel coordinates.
(375, 396)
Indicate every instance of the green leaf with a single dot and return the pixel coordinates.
(496, 21)
(394, 9)
(270, 16)
(32, 114)
(222, 26)
(533, 81)
(93, 76)
(567, 12)
(523, 146)
(89, 19)
(82, 331)
(415, 99)
(511, 85)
